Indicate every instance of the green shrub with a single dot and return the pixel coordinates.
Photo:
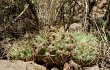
(56, 46)
(22, 50)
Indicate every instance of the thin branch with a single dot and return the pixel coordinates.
(26, 6)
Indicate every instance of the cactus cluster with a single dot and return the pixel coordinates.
(57, 47)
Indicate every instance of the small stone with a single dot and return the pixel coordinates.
(93, 68)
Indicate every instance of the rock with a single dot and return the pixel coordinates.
(39, 67)
(19, 65)
(66, 66)
(72, 27)
(74, 65)
(75, 26)
(93, 68)
(54, 68)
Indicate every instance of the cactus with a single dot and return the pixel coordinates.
(56, 47)
(22, 51)
(86, 49)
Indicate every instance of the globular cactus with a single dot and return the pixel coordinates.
(56, 46)
(86, 49)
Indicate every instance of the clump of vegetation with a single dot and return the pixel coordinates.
(56, 45)
(86, 49)
(22, 51)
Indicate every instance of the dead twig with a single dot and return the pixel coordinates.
(26, 6)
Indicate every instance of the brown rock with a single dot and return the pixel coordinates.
(93, 68)
(75, 65)
(66, 66)
(54, 68)
(19, 65)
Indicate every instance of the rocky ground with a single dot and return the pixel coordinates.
(31, 65)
